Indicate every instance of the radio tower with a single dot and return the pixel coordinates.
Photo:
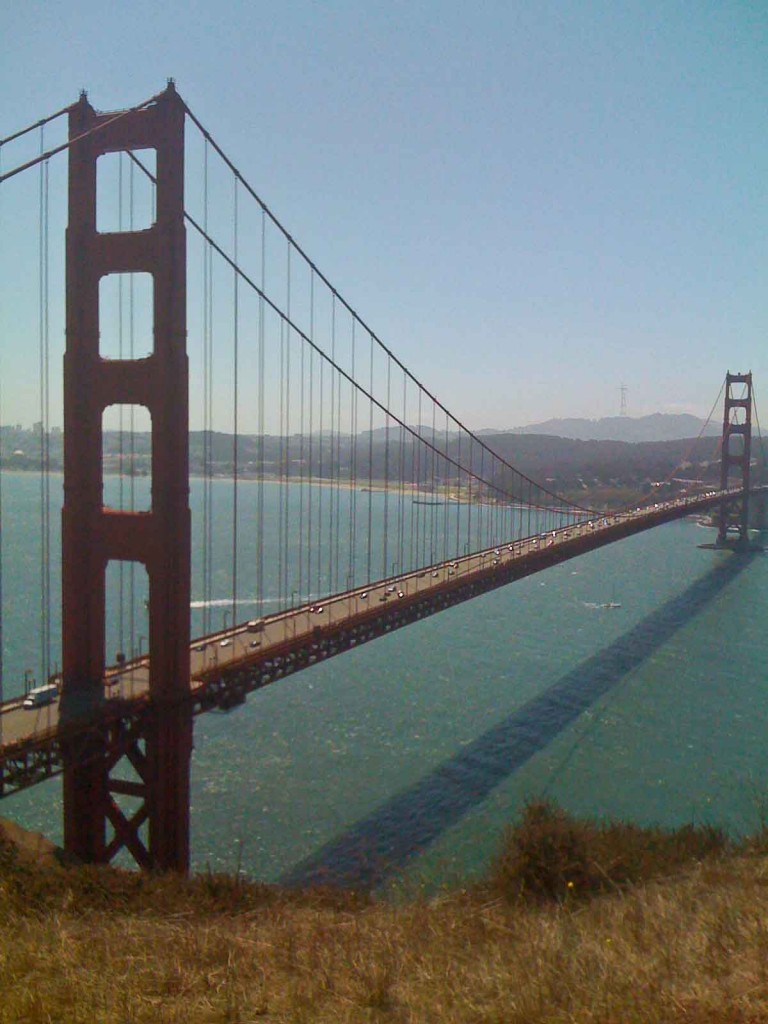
(623, 406)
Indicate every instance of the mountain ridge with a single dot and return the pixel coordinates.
(657, 426)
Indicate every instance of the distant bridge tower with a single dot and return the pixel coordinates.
(736, 452)
(158, 740)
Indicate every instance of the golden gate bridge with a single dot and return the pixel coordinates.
(382, 507)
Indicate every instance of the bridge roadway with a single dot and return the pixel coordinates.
(226, 666)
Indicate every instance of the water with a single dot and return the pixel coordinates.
(418, 749)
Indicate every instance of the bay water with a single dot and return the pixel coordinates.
(401, 762)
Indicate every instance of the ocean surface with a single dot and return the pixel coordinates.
(400, 764)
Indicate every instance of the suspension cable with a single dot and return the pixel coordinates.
(311, 433)
(235, 406)
(369, 546)
(340, 370)
(254, 195)
(37, 124)
(687, 455)
(207, 412)
(302, 389)
(353, 469)
(2, 470)
(120, 444)
(43, 381)
(287, 436)
(261, 425)
(543, 491)
(78, 138)
(132, 418)
(759, 437)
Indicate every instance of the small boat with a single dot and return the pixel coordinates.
(426, 501)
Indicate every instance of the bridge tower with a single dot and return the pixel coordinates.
(736, 452)
(158, 740)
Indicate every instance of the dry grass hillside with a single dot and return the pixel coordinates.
(577, 922)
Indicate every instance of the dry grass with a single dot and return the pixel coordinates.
(101, 946)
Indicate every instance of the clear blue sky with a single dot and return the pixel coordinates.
(531, 203)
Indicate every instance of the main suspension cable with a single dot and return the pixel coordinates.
(41, 157)
(37, 124)
(340, 370)
(687, 455)
(313, 266)
(202, 231)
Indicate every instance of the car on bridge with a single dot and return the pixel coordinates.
(41, 696)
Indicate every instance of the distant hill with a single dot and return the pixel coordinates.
(657, 427)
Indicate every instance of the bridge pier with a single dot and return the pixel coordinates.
(158, 743)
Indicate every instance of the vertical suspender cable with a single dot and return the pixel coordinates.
(385, 552)
(2, 469)
(47, 438)
(2, 565)
(337, 463)
(45, 534)
(416, 521)
(482, 540)
(302, 390)
(281, 543)
(497, 479)
(235, 406)
(209, 437)
(433, 460)
(470, 495)
(413, 564)
(352, 560)
(369, 554)
(131, 424)
(261, 428)
(287, 470)
(401, 485)
(120, 425)
(321, 475)
(333, 537)
(446, 506)
(519, 507)
(207, 287)
(47, 430)
(204, 553)
(460, 505)
(41, 387)
(310, 510)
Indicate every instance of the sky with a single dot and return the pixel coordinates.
(531, 203)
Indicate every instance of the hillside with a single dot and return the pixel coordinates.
(656, 427)
(567, 465)
(577, 922)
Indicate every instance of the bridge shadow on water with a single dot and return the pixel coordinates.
(380, 844)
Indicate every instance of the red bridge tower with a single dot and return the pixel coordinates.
(736, 452)
(157, 741)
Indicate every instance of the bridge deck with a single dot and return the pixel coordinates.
(226, 666)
